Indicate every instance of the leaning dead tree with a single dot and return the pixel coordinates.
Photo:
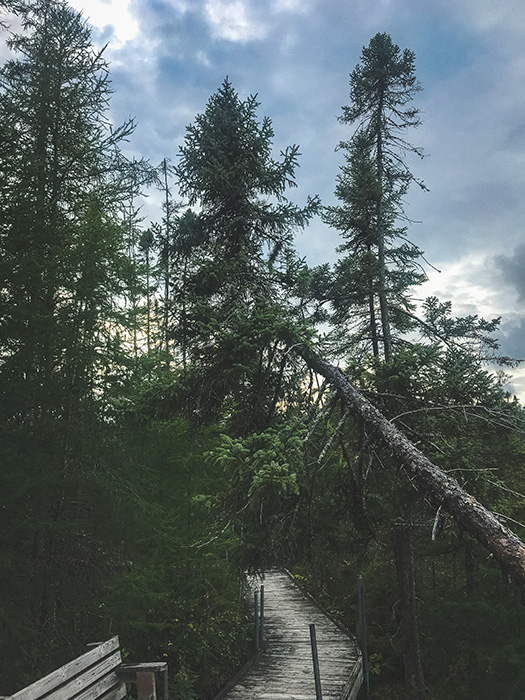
(437, 487)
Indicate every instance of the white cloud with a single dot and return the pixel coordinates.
(203, 59)
(471, 283)
(14, 26)
(109, 13)
(181, 6)
(473, 286)
(474, 134)
(234, 21)
(298, 6)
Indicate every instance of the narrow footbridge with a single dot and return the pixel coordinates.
(284, 670)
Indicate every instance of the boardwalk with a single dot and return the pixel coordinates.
(285, 670)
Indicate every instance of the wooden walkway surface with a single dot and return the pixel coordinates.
(284, 671)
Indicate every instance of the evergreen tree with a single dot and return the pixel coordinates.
(238, 335)
(186, 239)
(63, 270)
(382, 265)
(165, 243)
(354, 292)
(146, 245)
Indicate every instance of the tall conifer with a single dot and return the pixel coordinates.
(62, 271)
(238, 323)
(382, 264)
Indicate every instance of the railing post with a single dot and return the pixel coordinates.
(165, 688)
(256, 613)
(315, 659)
(146, 689)
(261, 624)
(362, 632)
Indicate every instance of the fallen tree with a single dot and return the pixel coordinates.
(436, 486)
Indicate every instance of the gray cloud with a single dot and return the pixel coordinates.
(512, 270)
(512, 339)
(472, 107)
(297, 55)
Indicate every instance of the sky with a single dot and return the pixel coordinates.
(167, 57)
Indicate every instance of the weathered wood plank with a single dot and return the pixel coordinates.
(128, 672)
(103, 656)
(146, 689)
(285, 670)
(106, 684)
(92, 682)
(116, 693)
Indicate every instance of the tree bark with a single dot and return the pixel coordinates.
(436, 486)
(406, 582)
(372, 312)
(381, 258)
(469, 568)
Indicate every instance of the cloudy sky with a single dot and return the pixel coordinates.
(168, 56)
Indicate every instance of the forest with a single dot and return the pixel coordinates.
(185, 401)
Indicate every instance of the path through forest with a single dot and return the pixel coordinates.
(284, 671)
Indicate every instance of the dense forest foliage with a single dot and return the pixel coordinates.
(162, 432)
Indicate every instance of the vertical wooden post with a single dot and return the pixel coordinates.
(146, 685)
(315, 659)
(256, 613)
(362, 631)
(261, 626)
(165, 689)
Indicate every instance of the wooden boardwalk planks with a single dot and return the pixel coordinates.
(285, 670)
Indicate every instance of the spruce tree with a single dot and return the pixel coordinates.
(371, 284)
(237, 324)
(382, 264)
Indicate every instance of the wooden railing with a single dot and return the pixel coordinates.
(99, 674)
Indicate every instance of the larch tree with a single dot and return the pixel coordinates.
(62, 268)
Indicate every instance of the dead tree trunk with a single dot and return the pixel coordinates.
(433, 484)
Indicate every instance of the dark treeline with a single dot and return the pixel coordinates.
(162, 434)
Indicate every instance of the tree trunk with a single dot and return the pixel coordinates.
(167, 267)
(436, 486)
(404, 559)
(469, 568)
(372, 312)
(381, 257)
